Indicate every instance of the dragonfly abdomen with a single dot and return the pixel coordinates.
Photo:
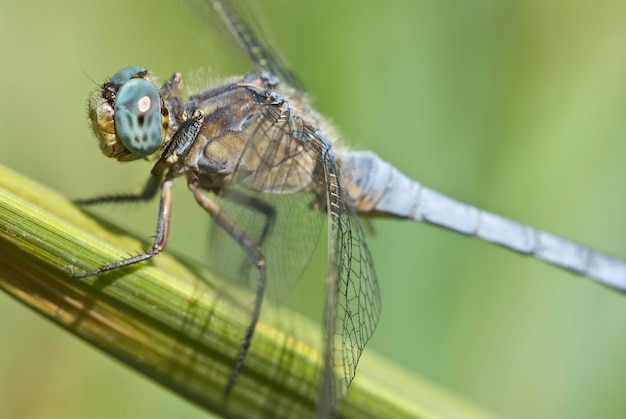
(380, 190)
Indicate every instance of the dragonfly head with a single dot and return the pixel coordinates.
(128, 115)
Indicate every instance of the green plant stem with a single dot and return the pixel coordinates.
(177, 324)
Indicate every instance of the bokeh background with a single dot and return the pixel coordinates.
(517, 107)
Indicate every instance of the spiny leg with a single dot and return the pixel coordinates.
(160, 238)
(256, 258)
(149, 190)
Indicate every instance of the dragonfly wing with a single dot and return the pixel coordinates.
(282, 226)
(286, 178)
(264, 58)
(289, 172)
(273, 196)
(353, 302)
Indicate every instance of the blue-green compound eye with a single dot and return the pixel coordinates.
(138, 116)
(125, 74)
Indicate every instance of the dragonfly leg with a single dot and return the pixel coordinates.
(256, 258)
(147, 193)
(160, 238)
(258, 205)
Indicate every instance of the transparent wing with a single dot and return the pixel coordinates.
(275, 199)
(264, 58)
(353, 301)
(286, 178)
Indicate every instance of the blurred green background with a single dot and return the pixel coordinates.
(517, 107)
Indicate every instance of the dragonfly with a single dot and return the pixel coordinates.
(270, 170)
